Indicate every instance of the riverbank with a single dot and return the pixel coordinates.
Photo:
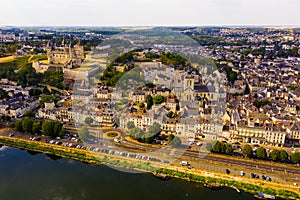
(195, 175)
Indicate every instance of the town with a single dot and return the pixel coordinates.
(230, 91)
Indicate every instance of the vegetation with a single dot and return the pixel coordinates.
(112, 134)
(89, 120)
(159, 99)
(84, 133)
(29, 125)
(130, 125)
(172, 59)
(220, 148)
(144, 136)
(174, 141)
(261, 153)
(247, 151)
(47, 99)
(4, 94)
(258, 104)
(54, 78)
(35, 92)
(149, 101)
(295, 158)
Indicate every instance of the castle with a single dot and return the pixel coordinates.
(65, 54)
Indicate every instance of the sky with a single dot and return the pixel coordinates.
(148, 12)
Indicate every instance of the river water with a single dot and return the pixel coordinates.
(30, 176)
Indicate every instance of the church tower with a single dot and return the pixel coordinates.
(189, 85)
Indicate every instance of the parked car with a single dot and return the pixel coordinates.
(227, 171)
(184, 163)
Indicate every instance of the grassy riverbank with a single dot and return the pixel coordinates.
(100, 158)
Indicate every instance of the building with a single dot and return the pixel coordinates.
(65, 54)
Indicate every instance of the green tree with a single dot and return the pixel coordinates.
(261, 153)
(47, 128)
(154, 129)
(176, 142)
(218, 147)
(89, 120)
(30, 114)
(275, 155)
(130, 125)
(35, 92)
(36, 127)
(295, 158)
(53, 129)
(159, 99)
(171, 138)
(19, 126)
(12, 125)
(171, 114)
(142, 105)
(228, 149)
(27, 124)
(149, 101)
(3, 94)
(247, 151)
(283, 156)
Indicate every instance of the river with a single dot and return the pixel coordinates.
(31, 176)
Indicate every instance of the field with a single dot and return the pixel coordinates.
(7, 59)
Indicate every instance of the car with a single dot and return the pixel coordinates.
(11, 135)
(227, 171)
(116, 140)
(184, 163)
(242, 173)
(199, 144)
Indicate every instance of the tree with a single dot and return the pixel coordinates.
(159, 99)
(283, 156)
(30, 114)
(3, 94)
(170, 114)
(149, 101)
(47, 128)
(228, 149)
(176, 142)
(84, 133)
(89, 120)
(12, 125)
(53, 129)
(275, 155)
(142, 105)
(154, 129)
(261, 153)
(247, 151)
(35, 92)
(19, 126)
(27, 124)
(130, 125)
(218, 147)
(36, 127)
(295, 158)
(209, 146)
(171, 138)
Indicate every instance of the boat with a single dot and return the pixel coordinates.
(236, 189)
(213, 186)
(261, 195)
(161, 176)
